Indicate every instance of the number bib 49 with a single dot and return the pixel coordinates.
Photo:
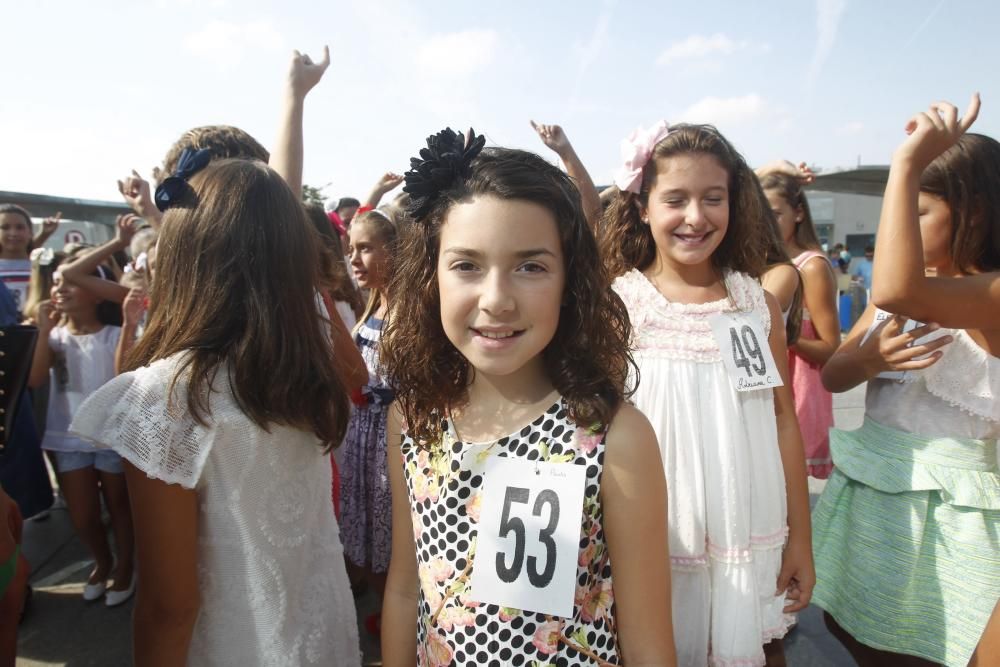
(529, 535)
(745, 351)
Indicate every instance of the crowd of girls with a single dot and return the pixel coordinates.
(571, 427)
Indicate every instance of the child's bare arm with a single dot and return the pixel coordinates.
(287, 156)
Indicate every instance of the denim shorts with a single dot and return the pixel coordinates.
(105, 460)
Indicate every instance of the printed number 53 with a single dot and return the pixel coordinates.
(508, 524)
(747, 347)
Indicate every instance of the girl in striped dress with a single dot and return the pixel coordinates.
(905, 533)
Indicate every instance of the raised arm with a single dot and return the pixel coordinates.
(135, 191)
(286, 158)
(49, 227)
(387, 183)
(42, 360)
(899, 283)
(80, 271)
(555, 138)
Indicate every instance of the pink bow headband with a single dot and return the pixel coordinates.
(636, 151)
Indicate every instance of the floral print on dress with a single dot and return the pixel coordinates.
(445, 486)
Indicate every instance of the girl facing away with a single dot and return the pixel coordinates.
(820, 333)
(906, 539)
(77, 334)
(225, 418)
(687, 237)
(529, 511)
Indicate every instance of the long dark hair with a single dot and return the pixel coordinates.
(627, 243)
(790, 189)
(587, 360)
(967, 178)
(235, 290)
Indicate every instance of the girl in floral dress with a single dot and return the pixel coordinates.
(508, 353)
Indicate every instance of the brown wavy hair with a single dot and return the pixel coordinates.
(588, 359)
(967, 178)
(627, 243)
(235, 290)
(222, 141)
(790, 189)
(777, 255)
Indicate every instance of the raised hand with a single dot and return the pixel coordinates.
(47, 317)
(125, 228)
(134, 306)
(388, 182)
(553, 137)
(304, 74)
(50, 225)
(135, 191)
(934, 131)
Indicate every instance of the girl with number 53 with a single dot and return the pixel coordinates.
(529, 506)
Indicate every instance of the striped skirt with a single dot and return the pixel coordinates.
(907, 541)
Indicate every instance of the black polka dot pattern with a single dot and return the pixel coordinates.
(444, 486)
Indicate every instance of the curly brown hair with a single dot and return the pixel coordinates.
(588, 358)
(628, 244)
(222, 141)
(236, 270)
(332, 267)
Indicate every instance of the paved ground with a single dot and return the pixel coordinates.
(61, 629)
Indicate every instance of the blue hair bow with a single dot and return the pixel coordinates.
(170, 190)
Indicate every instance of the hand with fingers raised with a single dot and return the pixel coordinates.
(553, 137)
(304, 74)
(934, 131)
(50, 225)
(125, 228)
(135, 191)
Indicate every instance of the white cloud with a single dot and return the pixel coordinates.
(224, 43)
(828, 15)
(851, 129)
(701, 47)
(458, 53)
(726, 111)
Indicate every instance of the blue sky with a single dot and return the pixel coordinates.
(94, 89)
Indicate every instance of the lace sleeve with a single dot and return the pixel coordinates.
(133, 415)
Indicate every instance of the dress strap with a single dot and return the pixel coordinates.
(801, 259)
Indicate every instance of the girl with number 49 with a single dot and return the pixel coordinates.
(508, 353)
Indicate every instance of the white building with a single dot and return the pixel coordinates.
(846, 206)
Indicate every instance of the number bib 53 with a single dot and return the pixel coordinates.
(745, 351)
(529, 535)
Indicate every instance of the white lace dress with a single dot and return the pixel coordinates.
(274, 590)
(726, 484)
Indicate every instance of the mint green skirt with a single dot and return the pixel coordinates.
(906, 538)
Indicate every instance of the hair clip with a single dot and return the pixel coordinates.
(170, 190)
(637, 148)
(447, 159)
(42, 256)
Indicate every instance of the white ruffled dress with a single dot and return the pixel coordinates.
(274, 589)
(726, 483)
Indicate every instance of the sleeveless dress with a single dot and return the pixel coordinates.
(725, 481)
(813, 403)
(365, 496)
(907, 532)
(274, 590)
(444, 486)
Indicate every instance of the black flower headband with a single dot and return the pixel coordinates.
(170, 190)
(447, 158)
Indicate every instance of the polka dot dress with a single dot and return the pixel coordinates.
(445, 486)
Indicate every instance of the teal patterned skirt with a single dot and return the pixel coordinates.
(907, 541)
